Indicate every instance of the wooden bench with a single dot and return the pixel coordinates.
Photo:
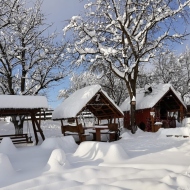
(74, 130)
(18, 139)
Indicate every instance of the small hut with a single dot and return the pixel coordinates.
(156, 106)
(88, 99)
(17, 105)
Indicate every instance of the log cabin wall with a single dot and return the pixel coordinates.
(144, 121)
(142, 117)
(187, 114)
(126, 120)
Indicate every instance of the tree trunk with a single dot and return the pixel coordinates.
(133, 123)
(18, 122)
(132, 92)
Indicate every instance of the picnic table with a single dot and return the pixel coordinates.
(110, 129)
(98, 129)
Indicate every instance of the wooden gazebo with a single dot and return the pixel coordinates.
(16, 105)
(91, 98)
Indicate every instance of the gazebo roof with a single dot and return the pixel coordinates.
(149, 100)
(10, 104)
(92, 98)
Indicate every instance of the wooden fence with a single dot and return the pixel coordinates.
(43, 115)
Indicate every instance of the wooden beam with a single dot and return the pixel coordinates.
(181, 113)
(62, 127)
(36, 124)
(39, 128)
(110, 107)
(34, 128)
(16, 111)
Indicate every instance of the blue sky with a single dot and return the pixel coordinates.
(58, 11)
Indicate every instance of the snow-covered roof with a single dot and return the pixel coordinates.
(22, 102)
(72, 106)
(144, 101)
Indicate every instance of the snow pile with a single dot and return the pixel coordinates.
(6, 169)
(126, 135)
(186, 122)
(57, 161)
(185, 148)
(95, 187)
(183, 182)
(7, 146)
(66, 143)
(106, 152)
(184, 131)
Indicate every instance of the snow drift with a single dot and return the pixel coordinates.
(7, 146)
(57, 161)
(66, 143)
(6, 169)
(107, 152)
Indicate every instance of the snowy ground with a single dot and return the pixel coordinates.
(142, 161)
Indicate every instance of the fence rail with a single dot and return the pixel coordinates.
(43, 115)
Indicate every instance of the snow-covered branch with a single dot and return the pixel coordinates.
(123, 34)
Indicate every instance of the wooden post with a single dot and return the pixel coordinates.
(76, 121)
(152, 123)
(152, 115)
(35, 123)
(40, 118)
(34, 128)
(62, 131)
(181, 113)
(39, 129)
(80, 138)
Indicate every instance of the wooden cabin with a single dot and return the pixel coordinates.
(160, 106)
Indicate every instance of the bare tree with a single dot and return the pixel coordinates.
(121, 34)
(167, 67)
(111, 84)
(182, 81)
(175, 69)
(145, 76)
(78, 81)
(7, 10)
(30, 60)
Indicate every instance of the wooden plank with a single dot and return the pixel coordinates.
(34, 128)
(39, 129)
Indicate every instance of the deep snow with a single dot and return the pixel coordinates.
(141, 161)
